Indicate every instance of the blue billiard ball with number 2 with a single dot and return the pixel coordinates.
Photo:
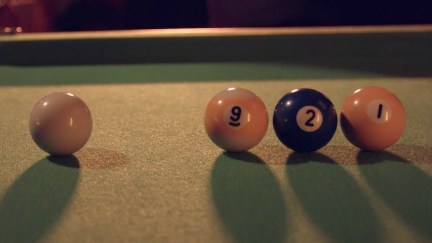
(304, 120)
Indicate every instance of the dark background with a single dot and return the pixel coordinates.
(76, 15)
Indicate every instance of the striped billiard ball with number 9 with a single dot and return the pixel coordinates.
(372, 118)
(236, 119)
(304, 120)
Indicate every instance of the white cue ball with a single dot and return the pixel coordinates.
(60, 123)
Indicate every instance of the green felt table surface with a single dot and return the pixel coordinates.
(149, 172)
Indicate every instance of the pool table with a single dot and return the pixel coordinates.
(149, 172)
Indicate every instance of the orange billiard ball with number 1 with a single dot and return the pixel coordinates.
(372, 118)
(236, 119)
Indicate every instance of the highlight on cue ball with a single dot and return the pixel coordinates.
(372, 118)
(60, 123)
(304, 120)
(236, 119)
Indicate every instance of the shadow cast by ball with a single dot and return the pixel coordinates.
(244, 157)
(403, 186)
(366, 157)
(248, 198)
(38, 198)
(301, 158)
(68, 161)
(331, 198)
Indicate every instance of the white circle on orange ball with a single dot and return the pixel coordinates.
(379, 111)
(60, 123)
(236, 116)
(309, 118)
